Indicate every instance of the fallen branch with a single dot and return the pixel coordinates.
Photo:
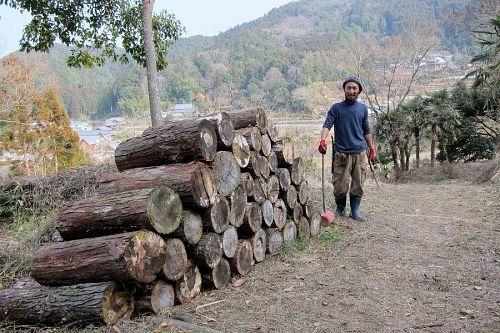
(418, 327)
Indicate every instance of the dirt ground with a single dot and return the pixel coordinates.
(427, 260)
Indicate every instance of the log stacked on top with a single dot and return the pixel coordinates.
(195, 202)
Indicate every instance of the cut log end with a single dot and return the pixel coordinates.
(242, 261)
(116, 305)
(238, 202)
(145, 256)
(227, 173)
(259, 245)
(289, 232)
(315, 224)
(176, 260)
(162, 297)
(241, 150)
(274, 241)
(189, 285)
(203, 186)
(164, 210)
(219, 276)
(229, 241)
(207, 140)
(303, 230)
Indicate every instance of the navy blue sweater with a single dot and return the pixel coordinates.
(350, 124)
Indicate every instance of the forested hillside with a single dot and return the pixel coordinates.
(286, 60)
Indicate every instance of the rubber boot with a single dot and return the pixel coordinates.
(355, 202)
(340, 202)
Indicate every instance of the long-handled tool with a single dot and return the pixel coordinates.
(373, 172)
(327, 216)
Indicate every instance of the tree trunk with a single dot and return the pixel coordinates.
(208, 251)
(247, 183)
(289, 232)
(274, 241)
(242, 261)
(217, 217)
(394, 154)
(284, 178)
(241, 150)
(158, 297)
(267, 212)
(402, 156)
(227, 173)
(407, 155)
(252, 221)
(253, 137)
(191, 227)
(433, 145)
(279, 214)
(256, 117)
(297, 170)
(297, 212)
(175, 142)
(272, 131)
(417, 147)
(157, 209)
(238, 203)
(176, 260)
(189, 285)
(259, 190)
(291, 197)
(303, 192)
(193, 182)
(149, 49)
(303, 230)
(133, 256)
(266, 145)
(32, 304)
(315, 224)
(229, 241)
(284, 152)
(259, 245)
(223, 127)
(219, 276)
(273, 162)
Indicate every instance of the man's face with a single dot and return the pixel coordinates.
(351, 91)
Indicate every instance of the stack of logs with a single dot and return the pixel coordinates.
(194, 202)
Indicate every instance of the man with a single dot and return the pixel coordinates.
(352, 133)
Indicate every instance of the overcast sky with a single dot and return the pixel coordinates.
(206, 18)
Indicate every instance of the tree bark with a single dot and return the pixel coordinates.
(176, 260)
(242, 261)
(219, 276)
(297, 170)
(224, 128)
(303, 230)
(289, 232)
(273, 188)
(217, 217)
(158, 297)
(284, 152)
(252, 221)
(297, 213)
(193, 182)
(433, 145)
(315, 224)
(208, 251)
(273, 162)
(247, 183)
(255, 117)
(303, 192)
(191, 227)
(133, 256)
(267, 212)
(238, 203)
(157, 209)
(227, 173)
(149, 49)
(284, 177)
(291, 196)
(32, 304)
(417, 147)
(175, 142)
(189, 285)
(259, 245)
(266, 145)
(253, 137)
(229, 241)
(280, 214)
(274, 241)
(241, 150)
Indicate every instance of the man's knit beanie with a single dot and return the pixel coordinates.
(355, 80)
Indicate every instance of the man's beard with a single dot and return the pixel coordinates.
(351, 98)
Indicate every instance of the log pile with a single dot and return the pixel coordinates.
(194, 203)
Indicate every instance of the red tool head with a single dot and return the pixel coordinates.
(327, 218)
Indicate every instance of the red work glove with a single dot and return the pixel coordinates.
(322, 147)
(373, 156)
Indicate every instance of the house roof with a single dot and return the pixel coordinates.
(90, 140)
(183, 106)
(82, 134)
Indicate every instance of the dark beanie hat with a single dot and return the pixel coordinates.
(355, 80)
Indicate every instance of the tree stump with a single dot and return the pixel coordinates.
(176, 260)
(219, 276)
(175, 142)
(241, 151)
(191, 227)
(229, 241)
(242, 261)
(157, 209)
(255, 117)
(226, 173)
(259, 245)
(274, 240)
(33, 304)
(189, 285)
(133, 256)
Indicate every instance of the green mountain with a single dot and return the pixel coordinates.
(273, 62)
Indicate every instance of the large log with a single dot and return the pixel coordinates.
(255, 117)
(297, 170)
(176, 260)
(241, 150)
(191, 227)
(133, 256)
(229, 241)
(242, 261)
(208, 251)
(158, 209)
(259, 245)
(274, 240)
(253, 137)
(175, 142)
(273, 188)
(237, 202)
(303, 192)
(315, 224)
(289, 232)
(284, 177)
(219, 276)
(284, 151)
(266, 145)
(279, 214)
(252, 221)
(303, 229)
(27, 302)
(247, 183)
(189, 285)
(224, 128)
(158, 297)
(193, 182)
(227, 173)
(217, 217)
(267, 212)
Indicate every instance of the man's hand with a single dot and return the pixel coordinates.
(373, 156)
(322, 147)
